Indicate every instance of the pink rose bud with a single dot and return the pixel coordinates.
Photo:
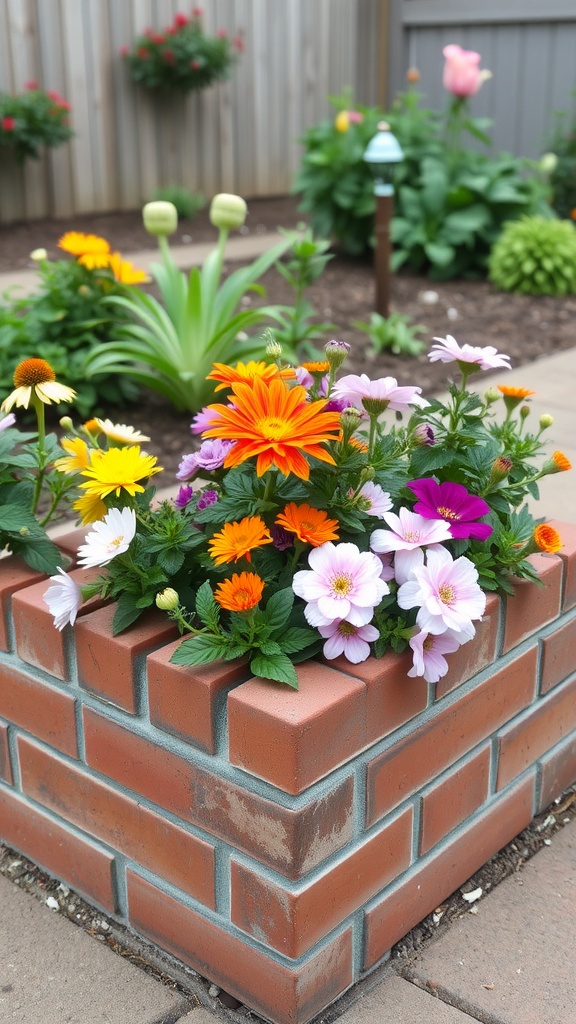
(462, 76)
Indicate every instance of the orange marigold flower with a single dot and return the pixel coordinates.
(547, 538)
(241, 593)
(95, 260)
(561, 462)
(237, 540)
(356, 442)
(276, 425)
(77, 243)
(246, 372)
(318, 367)
(311, 525)
(519, 393)
(126, 272)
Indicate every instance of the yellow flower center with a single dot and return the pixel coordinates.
(346, 628)
(447, 513)
(428, 643)
(33, 371)
(341, 585)
(273, 428)
(446, 593)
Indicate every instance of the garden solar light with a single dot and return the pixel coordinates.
(382, 154)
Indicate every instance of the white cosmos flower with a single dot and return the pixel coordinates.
(108, 538)
(63, 598)
(121, 432)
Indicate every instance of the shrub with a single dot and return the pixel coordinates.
(187, 204)
(535, 256)
(563, 176)
(32, 120)
(181, 57)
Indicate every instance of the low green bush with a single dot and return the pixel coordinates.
(188, 204)
(535, 256)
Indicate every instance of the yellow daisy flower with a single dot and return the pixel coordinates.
(118, 469)
(35, 377)
(78, 455)
(90, 508)
(120, 432)
(94, 260)
(78, 243)
(126, 272)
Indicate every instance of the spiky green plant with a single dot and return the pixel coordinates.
(535, 256)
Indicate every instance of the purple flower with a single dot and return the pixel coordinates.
(377, 395)
(452, 503)
(429, 650)
(351, 641)
(423, 435)
(210, 456)
(7, 421)
(206, 498)
(446, 592)
(303, 377)
(183, 497)
(281, 538)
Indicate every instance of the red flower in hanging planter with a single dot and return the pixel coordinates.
(8, 124)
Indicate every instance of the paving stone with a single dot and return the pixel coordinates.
(52, 972)
(396, 1001)
(514, 960)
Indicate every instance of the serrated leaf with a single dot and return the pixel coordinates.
(199, 650)
(171, 561)
(279, 668)
(207, 609)
(297, 638)
(278, 609)
(40, 553)
(126, 613)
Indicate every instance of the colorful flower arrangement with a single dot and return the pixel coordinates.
(320, 513)
(181, 57)
(33, 119)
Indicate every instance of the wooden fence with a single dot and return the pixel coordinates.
(240, 136)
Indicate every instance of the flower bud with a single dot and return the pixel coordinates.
(349, 419)
(66, 423)
(557, 463)
(167, 600)
(422, 435)
(336, 352)
(160, 218)
(227, 211)
(342, 121)
(38, 255)
(524, 411)
(548, 163)
(412, 76)
(500, 469)
(274, 349)
(546, 420)
(490, 396)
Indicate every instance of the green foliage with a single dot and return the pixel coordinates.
(33, 120)
(535, 256)
(394, 333)
(172, 345)
(65, 321)
(188, 204)
(563, 177)
(303, 264)
(181, 57)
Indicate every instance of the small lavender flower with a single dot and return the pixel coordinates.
(206, 499)
(183, 497)
(7, 421)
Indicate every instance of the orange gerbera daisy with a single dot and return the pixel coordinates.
(241, 593)
(77, 243)
(547, 538)
(276, 425)
(246, 372)
(318, 367)
(126, 272)
(237, 540)
(311, 525)
(517, 393)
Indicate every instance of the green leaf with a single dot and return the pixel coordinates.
(125, 614)
(297, 638)
(199, 650)
(207, 609)
(40, 553)
(278, 609)
(279, 668)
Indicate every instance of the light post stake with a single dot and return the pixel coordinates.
(382, 154)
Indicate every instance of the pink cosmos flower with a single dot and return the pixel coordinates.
(351, 641)
(453, 503)
(462, 76)
(342, 583)
(372, 499)
(446, 592)
(449, 351)
(409, 533)
(377, 395)
(429, 650)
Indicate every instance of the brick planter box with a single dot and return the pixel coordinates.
(279, 843)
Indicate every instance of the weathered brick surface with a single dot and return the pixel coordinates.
(84, 865)
(404, 905)
(477, 654)
(558, 771)
(522, 743)
(107, 669)
(279, 993)
(567, 553)
(454, 798)
(392, 699)
(182, 700)
(558, 656)
(441, 741)
(292, 922)
(293, 738)
(41, 709)
(103, 812)
(292, 841)
(14, 576)
(532, 605)
(5, 766)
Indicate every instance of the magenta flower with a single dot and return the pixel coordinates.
(206, 498)
(203, 420)
(449, 351)
(351, 641)
(409, 533)
(446, 592)
(375, 396)
(454, 504)
(281, 539)
(429, 650)
(342, 583)
(183, 497)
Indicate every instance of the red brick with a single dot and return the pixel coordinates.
(452, 733)
(558, 656)
(81, 863)
(5, 766)
(292, 841)
(293, 738)
(292, 922)
(454, 798)
(392, 697)
(41, 709)
(567, 553)
(281, 994)
(106, 662)
(558, 772)
(183, 700)
(118, 820)
(533, 605)
(440, 874)
(548, 722)
(71, 541)
(14, 575)
(477, 654)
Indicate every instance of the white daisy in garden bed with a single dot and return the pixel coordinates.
(108, 538)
